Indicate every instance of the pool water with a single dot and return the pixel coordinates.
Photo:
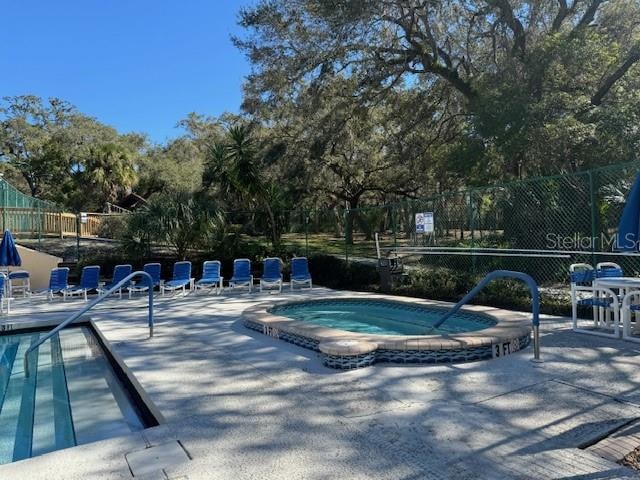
(73, 396)
(381, 317)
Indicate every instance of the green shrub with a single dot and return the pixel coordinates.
(451, 285)
(333, 272)
(113, 226)
(436, 284)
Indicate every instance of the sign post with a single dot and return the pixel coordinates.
(424, 223)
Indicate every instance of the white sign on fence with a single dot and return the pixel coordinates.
(424, 222)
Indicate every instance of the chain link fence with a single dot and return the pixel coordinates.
(22, 213)
(539, 226)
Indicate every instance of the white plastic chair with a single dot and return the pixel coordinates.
(582, 278)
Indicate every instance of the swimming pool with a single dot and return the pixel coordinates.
(73, 395)
(353, 331)
(381, 317)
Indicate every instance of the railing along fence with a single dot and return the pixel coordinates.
(24, 214)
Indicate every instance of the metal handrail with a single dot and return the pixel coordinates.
(535, 302)
(88, 307)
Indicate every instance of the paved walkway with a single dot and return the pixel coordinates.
(246, 406)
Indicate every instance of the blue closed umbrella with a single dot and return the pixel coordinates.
(628, 239)
(9, 256)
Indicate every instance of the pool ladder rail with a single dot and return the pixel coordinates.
(535, 303)
(88, 307)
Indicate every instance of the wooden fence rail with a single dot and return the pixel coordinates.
(37, 222)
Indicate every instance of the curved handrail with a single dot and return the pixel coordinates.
(535, 302)
(88, 307)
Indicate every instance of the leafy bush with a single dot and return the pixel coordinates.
(178, 219)
(437, 284)
(334, 272)
(451, 285)
(113, 226)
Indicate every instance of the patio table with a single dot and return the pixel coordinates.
(625, 285)
(621, 283)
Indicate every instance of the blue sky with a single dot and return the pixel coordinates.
(138, 65)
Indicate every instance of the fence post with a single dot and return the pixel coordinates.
(4, 205)
(39, 223)
(60, 224)
(78, 225)
(394, 227)
(305, 213)
(346, 241)
(472, 228)
(592, 201)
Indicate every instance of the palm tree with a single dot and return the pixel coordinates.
(109, 170)
(245, 174)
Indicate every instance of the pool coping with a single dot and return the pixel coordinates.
(511, 333)
(509, 325)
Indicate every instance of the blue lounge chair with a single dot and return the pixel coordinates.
(19, 282)
(211, 278)
(300, 272)
(120, 272)
(271, 273)
(152, 269)
(181, 278)
(241, 274)
(88, 281)
(58, 282)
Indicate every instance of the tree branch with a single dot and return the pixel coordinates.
(607, 84)
(563, 11)
(507, 15)
(588, 17)
(429, 61)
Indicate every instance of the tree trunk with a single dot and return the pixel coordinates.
(348, 223)
(275, 234)
(348, 227)
(365, 226)
(339, 222)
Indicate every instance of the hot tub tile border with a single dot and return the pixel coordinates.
(502, 339)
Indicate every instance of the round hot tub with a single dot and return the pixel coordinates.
(356, 331)
(381, 317)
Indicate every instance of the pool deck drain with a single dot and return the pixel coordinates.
(246, 406)
(156, 460)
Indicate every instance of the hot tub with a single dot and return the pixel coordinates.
(356, 331)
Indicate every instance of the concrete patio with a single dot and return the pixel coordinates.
(246, 406)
